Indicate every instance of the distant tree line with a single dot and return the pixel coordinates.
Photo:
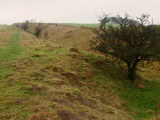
(37, 27)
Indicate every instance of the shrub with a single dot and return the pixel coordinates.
(131, 42)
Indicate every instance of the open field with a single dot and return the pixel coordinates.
(81, 24)
(61, 78)
(93, 25)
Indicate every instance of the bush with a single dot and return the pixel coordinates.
(38, 31)
(131, 42)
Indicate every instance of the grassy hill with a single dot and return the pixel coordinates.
(60, 78)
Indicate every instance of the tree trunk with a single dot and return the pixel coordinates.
(132, 71)
(131, 74)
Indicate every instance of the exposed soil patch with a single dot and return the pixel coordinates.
(100, 63)
(21, 101)
(66, 115)
(34, 89)
(68, 36)
(9, 75)
(57, 69)
(71, 77)
(74, 56)
(87, 102)
(83, 114)
(92, 117)
(74, 50)
(69, 32)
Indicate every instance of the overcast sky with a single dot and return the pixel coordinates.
(73, 11)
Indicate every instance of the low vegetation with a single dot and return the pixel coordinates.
(62, 78)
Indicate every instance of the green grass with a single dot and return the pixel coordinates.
(11, 91)
(140, 100)
(137, 100)
(28, 84)
(9, 51)
(81, 24)
(6, 27)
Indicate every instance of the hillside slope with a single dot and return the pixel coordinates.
(60, 78)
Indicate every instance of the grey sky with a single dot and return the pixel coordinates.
(73, 11)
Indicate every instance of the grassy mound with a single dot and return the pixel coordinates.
(61, 78)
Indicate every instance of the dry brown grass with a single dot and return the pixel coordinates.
(67, 36)
(51, 82)
(60, 82)
(4, 36)
(151, 71)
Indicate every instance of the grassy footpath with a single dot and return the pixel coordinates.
(8, 89)
(9, 51)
